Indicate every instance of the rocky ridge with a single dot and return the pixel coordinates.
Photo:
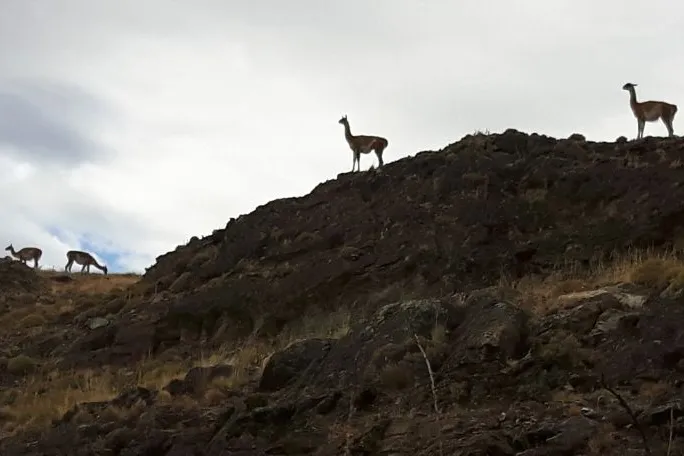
(487, 268)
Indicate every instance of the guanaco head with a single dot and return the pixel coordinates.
(9, 248)
(628, 86)
(343, 120)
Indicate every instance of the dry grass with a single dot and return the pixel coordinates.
(89, 283)
(62, 298)
(45, 397)
(534, 195)
(48, 394)
(150, 373)
(603, 441)
(396, 376)
(654, 269)
(655, 390)
(249, 359)
(567, 397)
(21, 364)
(677, 163)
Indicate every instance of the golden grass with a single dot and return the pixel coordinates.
(45, 397)
(48, 394)
(63, 298)
(89, 283)
(648, 268)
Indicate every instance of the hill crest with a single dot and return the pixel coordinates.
(517, 267)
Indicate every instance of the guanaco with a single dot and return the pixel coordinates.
(83, 258)
(363, 144)
(26, 254)
(650, 111)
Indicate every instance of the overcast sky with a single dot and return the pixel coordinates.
(127, 127)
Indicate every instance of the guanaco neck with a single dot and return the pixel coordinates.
(13, 252)
(633, 98)
(94, 262)
(347, 131)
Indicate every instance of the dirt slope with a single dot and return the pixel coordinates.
(306, 326)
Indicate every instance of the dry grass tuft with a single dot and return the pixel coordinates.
(438, 334)
(396, 376)
(31, 320)
(21, 365)
(655, 390)
(658, 272)
(153, 374)
(654, 269)
(603, 441)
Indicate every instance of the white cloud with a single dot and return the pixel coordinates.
(165, 119)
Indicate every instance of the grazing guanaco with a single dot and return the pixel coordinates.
(26, 254)
(650, 111)
(83, 258)
(363, 144)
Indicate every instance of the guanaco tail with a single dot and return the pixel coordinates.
(363, 144)
(83, 258)
(650, 111)
(26, 254)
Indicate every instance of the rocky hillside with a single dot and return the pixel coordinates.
(509, 294)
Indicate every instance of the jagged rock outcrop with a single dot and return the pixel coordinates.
(16, 277)
(445, 221)
(415, 252)
(495, 366)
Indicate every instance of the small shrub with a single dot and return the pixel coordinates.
(396, 376)
(656, 272)
(32, 320)
(215, 396)
(439, 334)
(563, 349)
(22, 364)
(603, 441)
(534, 195)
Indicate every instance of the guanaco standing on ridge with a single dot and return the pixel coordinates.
(26, 254)
(650, 111)
(363, 144)
(85, 259)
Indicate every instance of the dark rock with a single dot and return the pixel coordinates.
(629, 355)
(288, 364)
(16, 277)
(132, 396)
(197, 379)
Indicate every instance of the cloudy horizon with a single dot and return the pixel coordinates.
(127, 128)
